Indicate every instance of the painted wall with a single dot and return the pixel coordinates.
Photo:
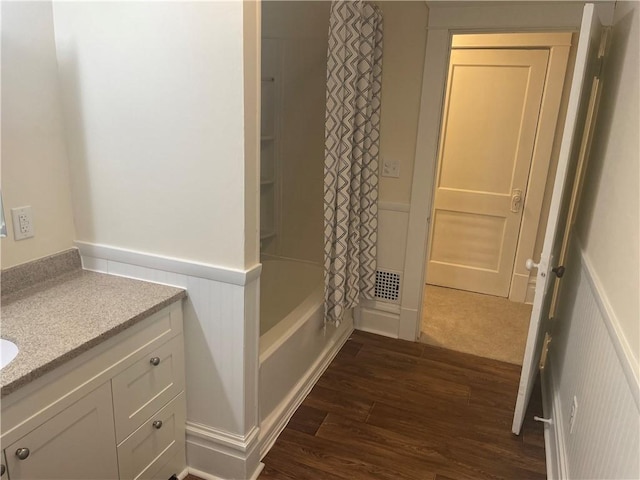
(609, 213)
(405, 36)
(153, 96)
(34, 159)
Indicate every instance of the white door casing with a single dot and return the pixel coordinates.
(586, 67)
(488, 135)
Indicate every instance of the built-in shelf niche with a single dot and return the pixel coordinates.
(269, 168)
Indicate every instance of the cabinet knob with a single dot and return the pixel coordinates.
(155, 361)
(2, 470)
(157, 424)
(22, 453)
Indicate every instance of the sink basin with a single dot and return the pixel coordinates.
(8, 351)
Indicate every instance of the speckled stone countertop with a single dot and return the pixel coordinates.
(58, 319)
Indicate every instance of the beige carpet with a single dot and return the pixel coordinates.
(484, 325)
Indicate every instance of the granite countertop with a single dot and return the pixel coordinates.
(58, 319)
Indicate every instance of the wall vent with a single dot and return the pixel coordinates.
(388, 286)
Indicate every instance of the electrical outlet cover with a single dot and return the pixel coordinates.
(22, 222)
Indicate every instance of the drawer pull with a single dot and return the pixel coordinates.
(155, 361)
(157, 424)
(22, 453)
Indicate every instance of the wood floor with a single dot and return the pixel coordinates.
(389, 409)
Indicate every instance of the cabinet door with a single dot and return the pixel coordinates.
(78, 443)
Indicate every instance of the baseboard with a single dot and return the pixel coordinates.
(230, 456)
(183, 474)
(208, 476)
(377, 321)
(276, 422)
(556, 458)
(168, 264)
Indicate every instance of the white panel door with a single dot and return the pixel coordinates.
(488, 133)
(575, 138)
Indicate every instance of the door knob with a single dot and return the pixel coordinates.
(529, 265)
(22, 453)
(516, 200)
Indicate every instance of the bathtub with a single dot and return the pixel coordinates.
(294, 347)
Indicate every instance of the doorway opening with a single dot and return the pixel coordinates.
(498, 149)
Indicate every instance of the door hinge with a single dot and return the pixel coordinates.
(545, 350)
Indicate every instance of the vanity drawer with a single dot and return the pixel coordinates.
(147, 385)
(150, 447)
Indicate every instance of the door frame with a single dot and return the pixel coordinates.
(545, 147)
(444, 21)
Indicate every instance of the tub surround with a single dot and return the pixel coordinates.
(54, 311)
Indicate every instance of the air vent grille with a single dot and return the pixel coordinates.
(387, 286)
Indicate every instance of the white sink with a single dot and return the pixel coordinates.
(8, 351)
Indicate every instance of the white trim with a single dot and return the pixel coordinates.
(221, 451)
(554, 443)
(394, 206)
(377, 321)
(276, 422)
(182, 475)
(228, 441)
(619, 341)
(170, 264)
(208, 476)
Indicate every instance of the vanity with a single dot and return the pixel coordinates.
(96, 390)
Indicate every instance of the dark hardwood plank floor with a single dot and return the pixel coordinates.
(390, 409)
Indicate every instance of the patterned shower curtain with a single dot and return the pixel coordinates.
(352, 137)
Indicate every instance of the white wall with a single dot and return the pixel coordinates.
(609, 213)
(34, 159)
(153, 96)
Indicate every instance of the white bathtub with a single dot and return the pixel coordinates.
(294, 347)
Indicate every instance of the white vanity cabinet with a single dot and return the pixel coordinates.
(115, 411)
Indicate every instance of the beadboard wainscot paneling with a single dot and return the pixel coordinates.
(591, 360)
(221, 336)
(377, 316)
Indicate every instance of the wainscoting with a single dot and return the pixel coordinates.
(590, 359)
(221, 331)
(380, 317)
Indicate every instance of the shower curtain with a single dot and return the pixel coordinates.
(352, 137)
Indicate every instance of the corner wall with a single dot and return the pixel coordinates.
(35, 168)
(161, 103)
